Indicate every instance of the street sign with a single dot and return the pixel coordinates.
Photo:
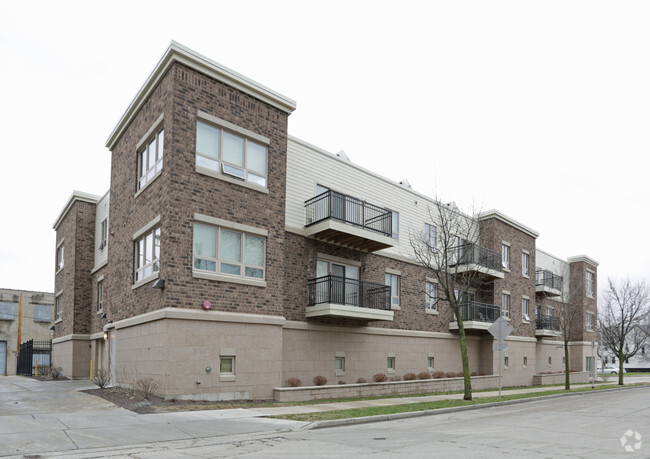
(501, 328)
(500, 346)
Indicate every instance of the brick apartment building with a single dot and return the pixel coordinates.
(230, 253)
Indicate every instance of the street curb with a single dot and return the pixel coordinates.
(415, 414)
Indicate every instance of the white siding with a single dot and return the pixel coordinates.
(101, 213)
(556, 265)
(308, 166)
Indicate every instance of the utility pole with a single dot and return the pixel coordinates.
(20, 327)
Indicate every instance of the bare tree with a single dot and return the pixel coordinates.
(621, 317)
(448, 247)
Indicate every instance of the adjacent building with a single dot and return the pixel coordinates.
(229, 256)
(24, 316)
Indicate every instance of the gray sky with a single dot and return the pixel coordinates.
(538, 109)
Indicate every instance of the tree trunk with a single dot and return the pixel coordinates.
(467, 395)
(620, 369)
(567, 375)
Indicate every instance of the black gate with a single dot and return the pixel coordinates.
(34, 353)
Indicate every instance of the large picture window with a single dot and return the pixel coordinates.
(150, 159)
(147, 254)
(228, 252)
(230, 153)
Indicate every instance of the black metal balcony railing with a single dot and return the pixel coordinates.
(548, 279)
(475, 254)
(480, 312)
(547, 323)
(350, 210)
(351, 292)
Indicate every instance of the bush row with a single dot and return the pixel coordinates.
(382, 377)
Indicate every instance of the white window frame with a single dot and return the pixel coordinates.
(139, 244)
(395, 224)
(505, 256)
(525, 308)
(217, 167)
(590, 278)
(431, 297)
(150, 167)
(58, 307)
(393, 280)
(339, 365)
(431, 361)
(100, 295)
(60, 256)
(103, 234)
(525, 361)
(590, 321)
(525, 260)
(430, 236)
(505, 305)
(506, 361)
(391, 362)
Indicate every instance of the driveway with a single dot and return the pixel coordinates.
(44, 416)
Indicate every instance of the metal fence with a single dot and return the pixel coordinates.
(480, 312)
(547, 323)
(351, 292)
(547, 278)
(475, 254)
(34, 354)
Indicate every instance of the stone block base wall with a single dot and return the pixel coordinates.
(72, 354)
(558, 378)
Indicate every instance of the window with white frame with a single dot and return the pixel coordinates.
(590, 321)
(395, 223)
(60, 251)
(550, 360)
(590, 283)
(524, 264)
(58, 307)
(506, 361)
(505, 256)
(392, 280)
(431, 297)
(390, 363)
(430, 236)
(228, 251)
(150, 158)
(430, 361)
(231, 153)
(100, 296)
(505, 305)
(339, 364)
(147, 254)
(525, 306)
(227, 365)
(525, 361)
(103, 237)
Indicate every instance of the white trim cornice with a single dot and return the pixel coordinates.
(76, 196)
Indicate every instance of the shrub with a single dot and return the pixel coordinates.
(361, 381)
(294, 382)
(424, 375)
(147, 386)
(103, 378)
(438, 374)
(379, 377)
(450, 374)
(342, 382)
(409, 377)
(320, 380)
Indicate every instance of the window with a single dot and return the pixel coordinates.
(430, 362)
(227, 365)
(525, 361)
(229, 252)
(590, 283)
(104, 234)
(392, 280)
(7, 310)
(589, 364)
(58, 307)
(390, 363)
(339, 364)
(550, 360)
(505, 256)
(613, 359)
(506, 362)
(147, 254)
(395, 228)
(150, 159)
(431, 297)
(43, 313)
(590, 321)
(524, 264)
(230, 153)
(59, 257)
(100, 296)
(525, 304)
(505, 305)
(430, 236)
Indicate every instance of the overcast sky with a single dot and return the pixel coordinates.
(538, 109)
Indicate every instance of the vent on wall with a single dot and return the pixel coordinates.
(405, 183)
(341, 154)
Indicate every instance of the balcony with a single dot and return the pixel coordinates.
(477, 316)
(547, 283)
(350, 222)
(547, 326)
(472, 258)
(335, 296)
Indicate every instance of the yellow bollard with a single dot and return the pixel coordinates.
(91, 369)
(36, 365)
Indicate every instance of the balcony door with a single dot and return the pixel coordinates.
(343, 287)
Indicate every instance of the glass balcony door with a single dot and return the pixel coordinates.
(344, 285)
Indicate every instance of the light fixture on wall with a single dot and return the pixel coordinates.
(103, 316)
(52, 328)
(364, 268)
(159, 283)
(105, 335)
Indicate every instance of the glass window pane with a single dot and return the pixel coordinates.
(232, 170)
(233, 149)
(230, 269)
(207, 140)
(256, 157)
(205, 241)
(205, 264)
(257, 179)
(255, 272)
(148, 248)
(151, 153)
(140, 254)
(230, 246)
(207, 163)
(254, 250)
(157, 243)
(226, 365)
(161, 144)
